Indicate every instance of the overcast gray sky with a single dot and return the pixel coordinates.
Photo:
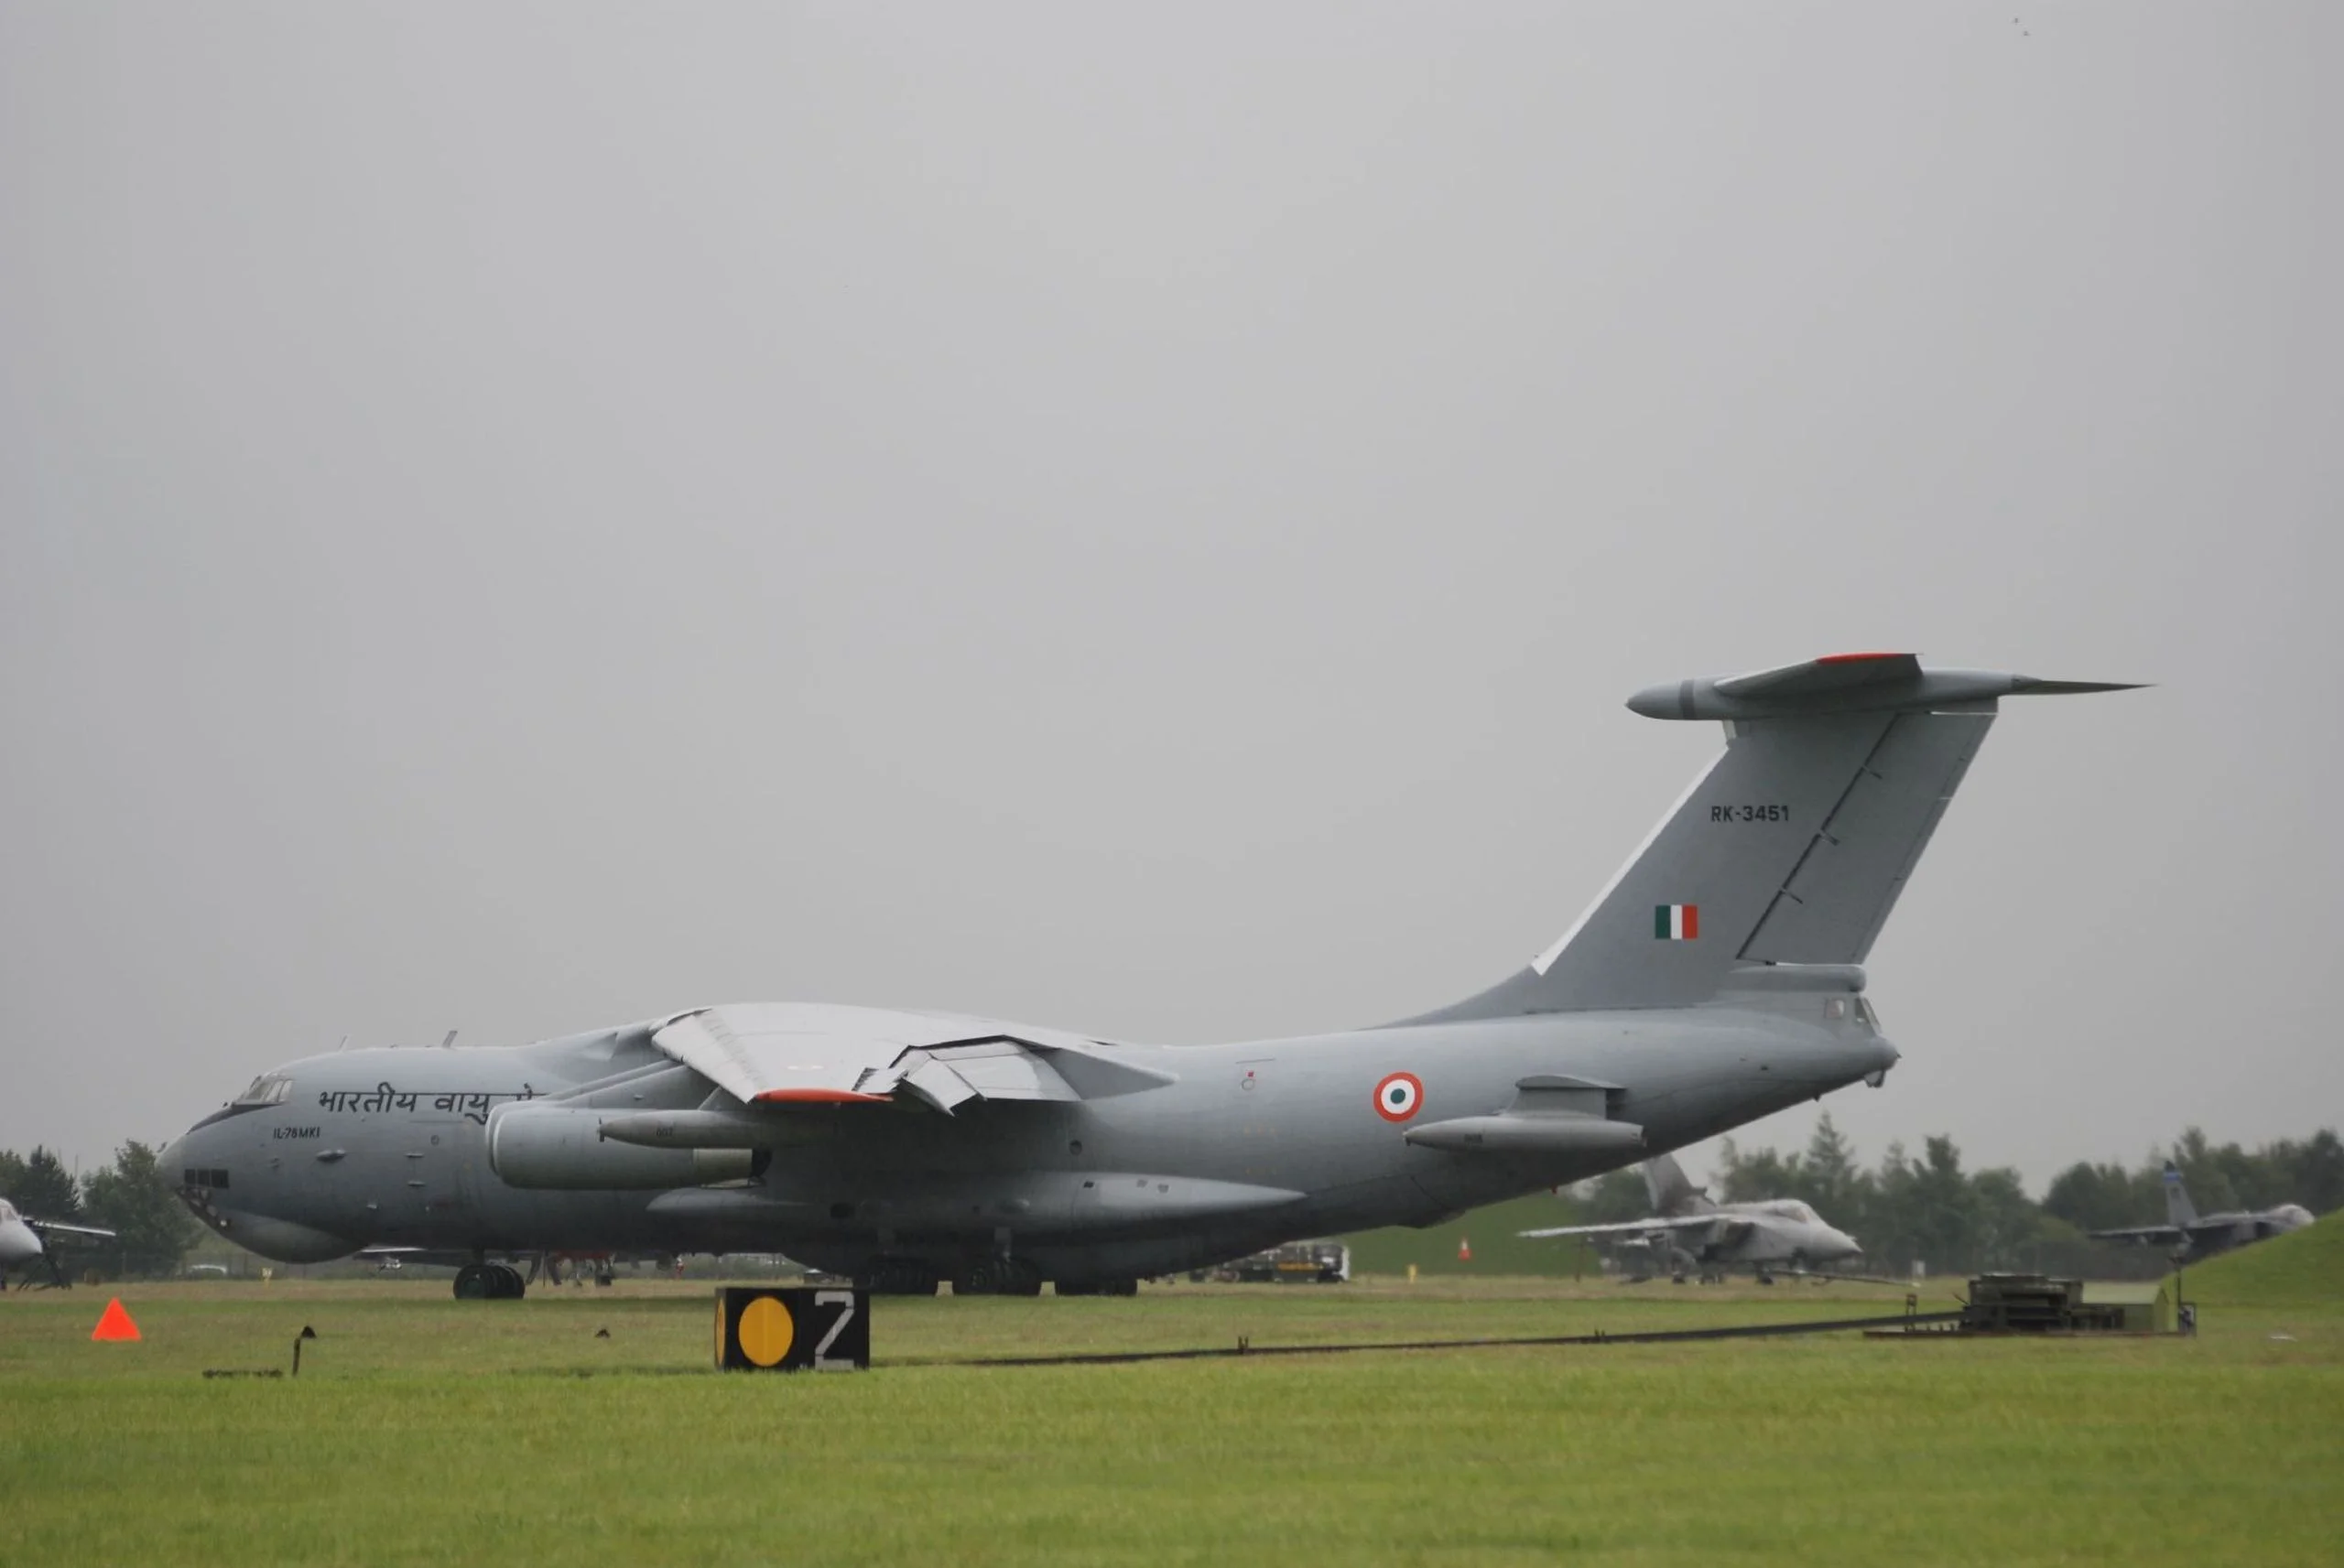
(525, 517)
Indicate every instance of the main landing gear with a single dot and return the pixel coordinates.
(489, 1283)
(998, 1277)
(897, 1277)
(992, 1276)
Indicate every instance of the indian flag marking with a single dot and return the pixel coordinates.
(1676, 922)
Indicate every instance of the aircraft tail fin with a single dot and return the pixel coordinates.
(1671, 1191)
(1790, 849)
(2179, 1212)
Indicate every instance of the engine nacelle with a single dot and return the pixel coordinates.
(548, 1148)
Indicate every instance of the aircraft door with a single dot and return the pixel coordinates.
(427, 1152)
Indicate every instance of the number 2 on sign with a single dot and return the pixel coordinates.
(823, 1361)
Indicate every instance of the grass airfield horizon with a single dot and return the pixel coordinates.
(426, 1429)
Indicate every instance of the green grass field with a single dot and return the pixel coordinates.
(423, 1430)
(2305, 1268)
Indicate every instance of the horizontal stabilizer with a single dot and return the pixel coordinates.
(1833, 672)
(1845, 683)
(2031, 686)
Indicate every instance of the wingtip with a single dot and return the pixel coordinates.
(2031, 686)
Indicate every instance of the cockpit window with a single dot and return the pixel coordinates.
(1865, 1015)
(269, 1089)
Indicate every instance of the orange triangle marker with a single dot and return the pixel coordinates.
(115, 1322)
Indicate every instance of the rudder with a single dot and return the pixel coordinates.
(2179, 1212)
(1672, 1193)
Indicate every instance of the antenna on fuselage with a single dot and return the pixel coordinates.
(450, 1041)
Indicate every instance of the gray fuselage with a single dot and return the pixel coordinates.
(388, 1147)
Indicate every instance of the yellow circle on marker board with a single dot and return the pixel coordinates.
(765, 1331)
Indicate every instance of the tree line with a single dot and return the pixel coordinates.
(1926, 1208)
(133, 1197)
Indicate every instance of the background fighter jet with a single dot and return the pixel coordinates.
(22, 1238)
(1687, 1231)
(1715, 980)
(2200, 1236)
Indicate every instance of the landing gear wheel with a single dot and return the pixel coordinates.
(1076, 1287)
(999, 1277)
(474, 1282)
(510, 1286)
(897, 1277)
(1120, 1288)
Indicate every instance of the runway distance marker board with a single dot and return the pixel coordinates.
(808, 1329)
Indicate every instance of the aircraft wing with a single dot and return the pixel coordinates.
(1627, 1227)
(784, 1053)
(45, 1228)
(2147, 1235)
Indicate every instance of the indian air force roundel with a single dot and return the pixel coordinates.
(1397, 1097)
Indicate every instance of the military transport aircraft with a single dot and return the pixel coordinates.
(1686, 1231)
(2203, 1236)
(1715, 980)
(22, 1239)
